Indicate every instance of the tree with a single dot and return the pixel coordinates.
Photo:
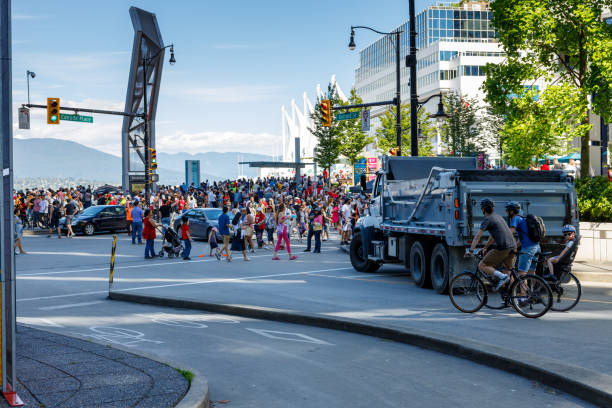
(462, 131)
(537, 126)
(493, 125)
(329, 139)
(353, 139)
(386, 133)
(562, 42)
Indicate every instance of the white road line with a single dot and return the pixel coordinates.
(280, 335)
(69, 305)
(182, 284)
(38, 321)
(144, 264)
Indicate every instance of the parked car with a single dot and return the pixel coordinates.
(106, 189)
(201, 221)
(98, 218)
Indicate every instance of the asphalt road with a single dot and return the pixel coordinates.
(62, 286)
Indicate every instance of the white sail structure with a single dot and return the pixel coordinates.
(296, 122)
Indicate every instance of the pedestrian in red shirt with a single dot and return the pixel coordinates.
(546, 165)
(148, 233)
(186, 237)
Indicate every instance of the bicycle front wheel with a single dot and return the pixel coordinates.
(467, 292)
(531, 296)
(566, 295)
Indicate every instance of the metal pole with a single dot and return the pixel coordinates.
(147, 152)
(398, 102)
(7, 275)
(414, 100)
(297, 160)
(28, 81)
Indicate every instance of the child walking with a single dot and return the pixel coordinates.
(186, 237)
(212, 242)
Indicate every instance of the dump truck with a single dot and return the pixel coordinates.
(425, 211)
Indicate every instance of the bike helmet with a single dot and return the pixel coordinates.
(568, 228)
(513, 205)
(487, 203)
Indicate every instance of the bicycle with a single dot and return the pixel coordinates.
(529, 295)
(566, 287)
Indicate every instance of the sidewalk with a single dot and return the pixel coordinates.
(60, 371)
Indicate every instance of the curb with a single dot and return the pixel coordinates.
(197, 395)
(588, 385)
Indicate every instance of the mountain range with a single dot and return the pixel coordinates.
(39, 158)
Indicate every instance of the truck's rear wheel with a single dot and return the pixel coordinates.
(359, 258)
(439, 268)
(418, 261)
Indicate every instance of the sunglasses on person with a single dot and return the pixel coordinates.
(566, 234)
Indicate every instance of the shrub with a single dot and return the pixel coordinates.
(594, 199)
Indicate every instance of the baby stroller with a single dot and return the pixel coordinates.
(171, 244)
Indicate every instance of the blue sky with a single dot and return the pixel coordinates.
(237, 64)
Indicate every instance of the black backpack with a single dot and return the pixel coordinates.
(536, 231)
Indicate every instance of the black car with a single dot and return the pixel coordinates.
(201, 221)
(106, 189)
(98, 218)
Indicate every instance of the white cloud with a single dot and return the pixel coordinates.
(235, 94)
(228, 141)
(28, 17)
(105, 133)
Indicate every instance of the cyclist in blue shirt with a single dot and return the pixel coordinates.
(527, 258)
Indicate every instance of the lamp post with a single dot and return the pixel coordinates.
(397, 99)
(147, 152)
(28, 75)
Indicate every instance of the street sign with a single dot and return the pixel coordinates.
(76, 118)
(365, 120)
(347, 115)
(24, 118)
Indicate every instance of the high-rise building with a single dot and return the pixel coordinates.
(454, 42)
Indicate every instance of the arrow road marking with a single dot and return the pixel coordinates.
(280, 335)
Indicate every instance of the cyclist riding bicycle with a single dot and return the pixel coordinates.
(518, 225)
(562, 263)
(500, 235)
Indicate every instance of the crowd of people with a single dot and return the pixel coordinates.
(257, 213)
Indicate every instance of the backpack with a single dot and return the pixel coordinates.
(536, 231)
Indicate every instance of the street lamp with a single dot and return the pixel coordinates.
(397, 99)
(147, 152)
(28, 75)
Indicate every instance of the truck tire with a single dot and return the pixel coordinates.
(418, 261)
(358, 258)
(439, 268)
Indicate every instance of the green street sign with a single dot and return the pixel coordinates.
(76, 118)
(347, 115)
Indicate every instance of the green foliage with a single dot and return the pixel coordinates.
(462, 131)
(562, 42)
(187, 374)
(594, 199)
(543, 123)
(353, 139)
(386, 133)
(329, 139)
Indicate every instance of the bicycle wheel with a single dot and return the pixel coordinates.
(531, 296)
(467, 292)
(566, 295)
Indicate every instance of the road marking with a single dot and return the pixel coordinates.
(182, 284)
(189, 321)
(118, 335)
(279, 335)
(38, 321)
(140, 265)
(69, 305)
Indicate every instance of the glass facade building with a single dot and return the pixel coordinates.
(447, 33)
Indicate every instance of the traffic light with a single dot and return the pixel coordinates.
(53, 109)
(153, 159)
(326, 113)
